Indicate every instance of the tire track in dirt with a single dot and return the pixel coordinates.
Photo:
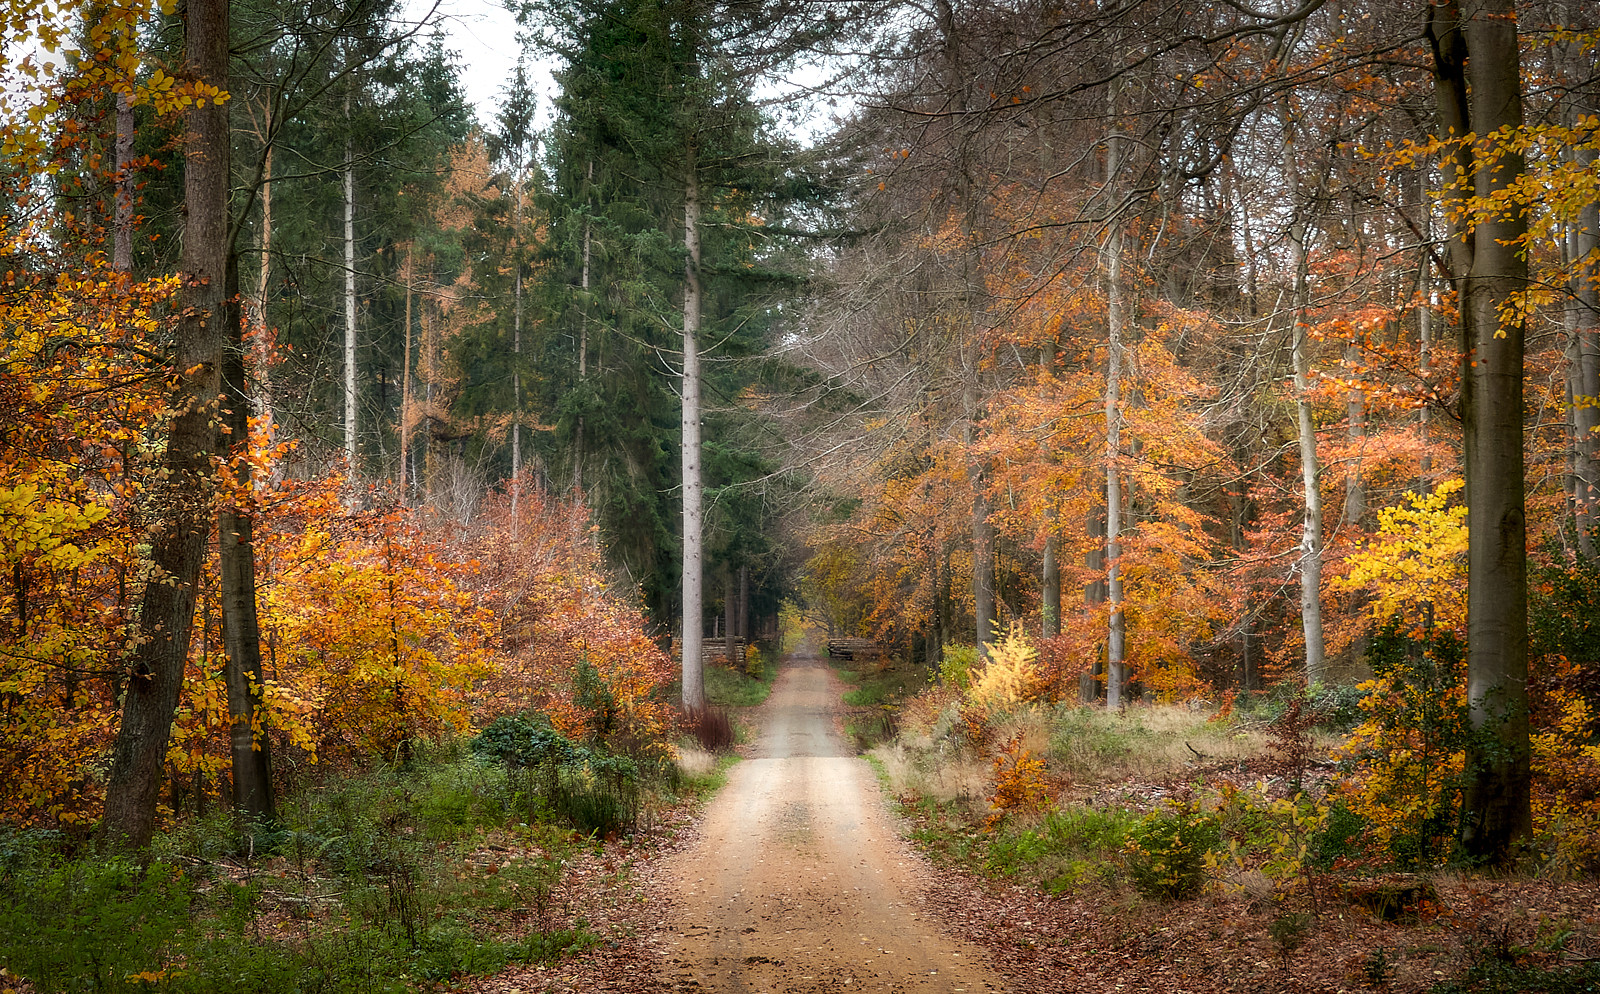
(799, 882)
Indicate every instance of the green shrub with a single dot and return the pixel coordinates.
(1166, 856)
(89, 925)
(955, 667)
(1340, 836)
(1498, 977)
(588, 789)
(1069, 847)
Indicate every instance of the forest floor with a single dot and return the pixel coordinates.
(795, 878)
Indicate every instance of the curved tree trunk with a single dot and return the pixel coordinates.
(182, 499)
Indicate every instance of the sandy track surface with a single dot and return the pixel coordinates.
(798, 881)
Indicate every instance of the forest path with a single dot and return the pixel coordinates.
(798, 881)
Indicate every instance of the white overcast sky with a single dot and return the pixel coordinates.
(483, 34)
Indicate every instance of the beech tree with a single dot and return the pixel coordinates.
(1478, 92)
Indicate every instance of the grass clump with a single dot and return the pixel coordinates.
(733, 689)
(1067, 850)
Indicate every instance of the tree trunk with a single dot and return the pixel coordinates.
(744, 605)
(236, 566)
(583, 344)
(122, 214)
(1355, 490)
(1116, 319)
(263, 337)
(1487, 264)
(1425, 333)
(182, 495)
(730, 619)
(1584, 364)
(405, 383)
(694, 690)
(516, 352)
(1310, 561)
(982, 532)
(1094, 594)
(1050, 595)
(349, 297)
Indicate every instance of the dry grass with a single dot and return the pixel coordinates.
(1092, 745)
(1083, 745)
(695, 761)
(921, 767)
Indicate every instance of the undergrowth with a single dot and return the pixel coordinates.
(395, 879)
(879, 686)
(733, 689)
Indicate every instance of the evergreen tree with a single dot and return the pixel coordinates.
(671, 243)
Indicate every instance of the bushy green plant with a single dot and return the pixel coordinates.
(589, 789)
(1165, 857)
(1498, 977)
(1067, 848)
(1340, 837)
(955, 666)
(523, 740)
(91, 924)
(1411, 746)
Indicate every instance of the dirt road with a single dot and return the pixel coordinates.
(798, 881)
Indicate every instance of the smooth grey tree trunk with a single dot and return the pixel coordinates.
(1116, 330)
(349, 296)
(982, 530)
(1583, 363)
(1050, 593)
(1475, 50)
(1310, 560)
(694, 689)
(181, 495)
